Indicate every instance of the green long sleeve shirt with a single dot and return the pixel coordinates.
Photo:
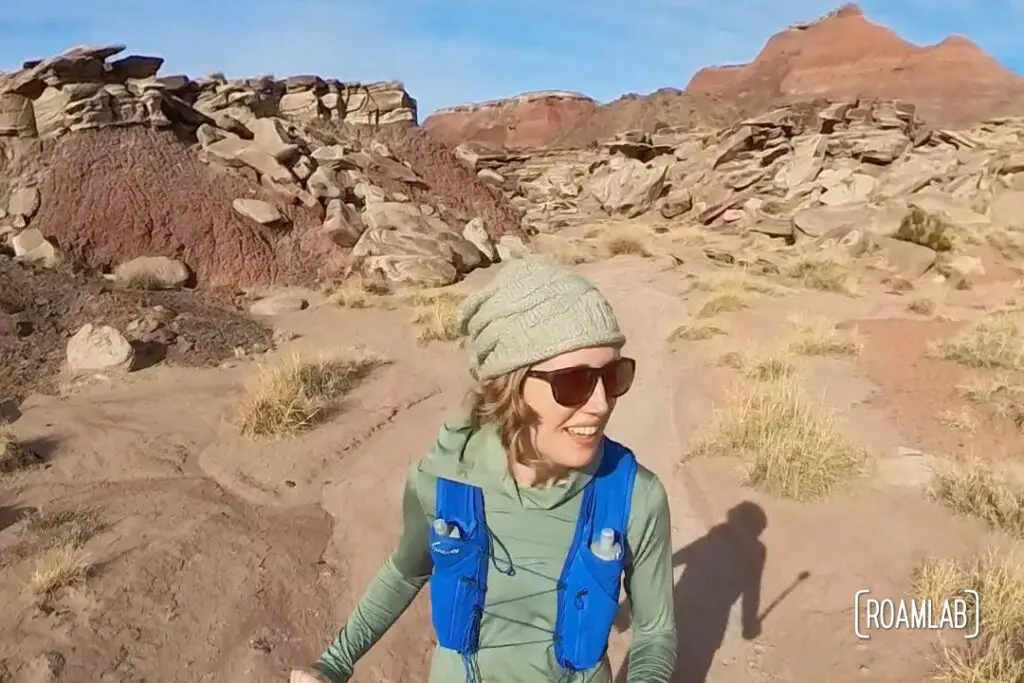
(533, 529)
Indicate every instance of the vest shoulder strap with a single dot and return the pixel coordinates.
(613, 489)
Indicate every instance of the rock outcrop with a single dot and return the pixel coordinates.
(839, 57)
(540, 120)
(866, 176)
(527, 121)
(244, 181)
(845, 55)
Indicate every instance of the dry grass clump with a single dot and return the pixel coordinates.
(289, 397)
(998, 395)
(996, 341)
(818, 336)
(927, 229)
(695, 332)
(997, 654)
(975, 490)
(825, 274)
(14, 455)
(738, 281)
(922, 306)
(791, 447)
(619, 245)
(436, 314)
(962, 420)
(357, 292)
(726, 302)
(62, 535)
(58, 567)
(765, 367)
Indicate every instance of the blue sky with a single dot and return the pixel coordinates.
(456, 51)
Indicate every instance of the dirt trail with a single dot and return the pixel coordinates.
(225, 559)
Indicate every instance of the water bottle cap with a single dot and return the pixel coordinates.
(441, 526)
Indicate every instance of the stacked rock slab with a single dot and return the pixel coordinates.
(298, 137)
(818, 174)
(80, 89)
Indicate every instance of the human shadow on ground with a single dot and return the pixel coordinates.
(721, 567)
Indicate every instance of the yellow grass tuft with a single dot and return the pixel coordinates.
(996, 341)
(998, 395)
(818, 336)
(997, 655)
(625, 245)
(922, 306)
(695, 332)
(289, 397)
(436, 315)
(62, 565)
(738, 280)
(769, 366)
(14, 455)
(726, 302)
(975, 490)
(826, 274)
(791, 447)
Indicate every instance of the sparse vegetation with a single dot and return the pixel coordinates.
(927, 229)
(996, 341)
(726, 302)
(825, 273)
(738, 281)
(974, 489)
(962, 420)
(997, 655)
(60, 566)
(61, 535)
(14, 455)
(625, 244)
(436, 314)
(818, 336)
(289, 397)
(357, 292)
(922, 306)
(760, 367)
(999, 395)
(695, 332)
(791, 447)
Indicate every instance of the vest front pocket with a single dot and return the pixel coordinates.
(591, 601)
(454, 589)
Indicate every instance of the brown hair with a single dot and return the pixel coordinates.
(499, 402)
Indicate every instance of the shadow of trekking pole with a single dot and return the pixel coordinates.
(801, 577)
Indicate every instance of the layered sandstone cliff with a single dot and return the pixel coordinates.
(841, 56)
(845, 55)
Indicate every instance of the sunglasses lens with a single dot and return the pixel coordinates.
(573, 387)
(618, 377)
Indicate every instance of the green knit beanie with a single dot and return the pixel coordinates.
(532, 311)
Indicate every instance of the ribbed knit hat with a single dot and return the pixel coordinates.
(532, 311)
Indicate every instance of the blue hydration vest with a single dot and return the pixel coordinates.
(587, 591)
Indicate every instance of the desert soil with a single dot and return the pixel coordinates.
(216, 557)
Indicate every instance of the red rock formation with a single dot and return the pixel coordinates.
(841, 56)
(525, 121)
(845, 55)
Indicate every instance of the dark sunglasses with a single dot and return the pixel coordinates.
(572, 387)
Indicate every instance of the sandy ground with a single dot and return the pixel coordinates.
(216, 558)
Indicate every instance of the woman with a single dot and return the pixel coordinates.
(518, 514)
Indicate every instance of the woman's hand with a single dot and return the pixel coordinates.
(307, 676)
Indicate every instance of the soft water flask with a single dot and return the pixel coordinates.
(605, 547)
